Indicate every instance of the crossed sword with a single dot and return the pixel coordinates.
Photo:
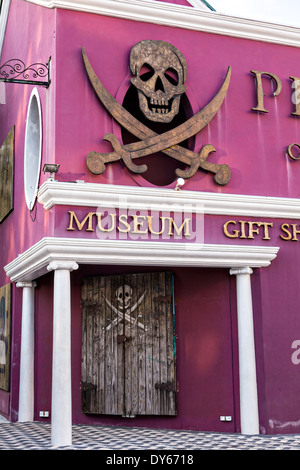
(126, 314)
(151, 142)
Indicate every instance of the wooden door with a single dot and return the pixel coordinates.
(128, 345)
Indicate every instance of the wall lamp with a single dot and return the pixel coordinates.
(180, 182)
(51, 168)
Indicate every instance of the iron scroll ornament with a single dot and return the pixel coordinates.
(15, 71)
(152, 142)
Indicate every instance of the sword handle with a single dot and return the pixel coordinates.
(222, 172)
(96, 161)
(196, 161)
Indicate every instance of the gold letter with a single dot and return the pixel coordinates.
(89, 217)
(252, 230)
(289, 151)
(266, 230)
(150, 225)
(137, 224)
(235, 232)
(296, 96)
(113, 222)
(295, 231)
(178, 231)
(289, 236)
(260, 91)
(124, 223)
(243, 222)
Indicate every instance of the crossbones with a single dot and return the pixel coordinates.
(150, 141)
(126, 314)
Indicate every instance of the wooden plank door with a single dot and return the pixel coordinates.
(128, 345)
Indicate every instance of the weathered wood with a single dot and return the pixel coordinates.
(5, 336)
(7, 175)
(128, 345)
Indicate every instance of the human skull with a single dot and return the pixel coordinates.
(160, 90)
(124, 296)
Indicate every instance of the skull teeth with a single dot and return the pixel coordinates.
(160, 110)
(159, 106)
(158, 102)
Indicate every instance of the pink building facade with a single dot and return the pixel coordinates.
(216, 345)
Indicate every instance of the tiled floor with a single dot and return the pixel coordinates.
(37, 436)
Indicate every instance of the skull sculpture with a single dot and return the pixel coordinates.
(159, 94)
(124, 296)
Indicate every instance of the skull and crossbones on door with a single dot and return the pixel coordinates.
(125, 308)
(124, 296)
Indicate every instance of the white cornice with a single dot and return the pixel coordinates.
(33, 263)
(53, 193)
(180, 16)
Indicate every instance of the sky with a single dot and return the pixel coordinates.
(286, 12)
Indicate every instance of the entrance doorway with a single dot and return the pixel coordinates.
(128, 345)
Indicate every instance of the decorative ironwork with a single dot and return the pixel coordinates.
(15, 71)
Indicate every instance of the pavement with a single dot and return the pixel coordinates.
(37, 436)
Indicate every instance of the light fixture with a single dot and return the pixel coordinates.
(180, 182)
(51, 168)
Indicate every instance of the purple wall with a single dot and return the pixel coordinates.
(18, 231)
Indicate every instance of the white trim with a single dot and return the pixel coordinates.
(61, 403)
(62, 265)
(247, 363)
(33, 263)
(26, 388)
(181, 16)
(32, 148)
(53, 193)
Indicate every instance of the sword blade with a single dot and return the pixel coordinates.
(120, 114)
(125, 315)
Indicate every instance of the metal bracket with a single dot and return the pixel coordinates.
(168, 386)
(123, 339)
(87, 386)
(14, 68)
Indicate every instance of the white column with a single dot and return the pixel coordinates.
(247, 364)
(61, 409)
(26, 390)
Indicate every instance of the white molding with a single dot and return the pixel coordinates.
(62, 266)
(241, 271)
(53, 193)
(33, 263)
(181, 16)
(29, 284)
(33, 148)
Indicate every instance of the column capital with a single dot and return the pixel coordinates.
(62, 265)
(237, 271)
(26, 284)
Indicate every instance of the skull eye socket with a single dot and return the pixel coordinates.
(146, 72)
(172, 76)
